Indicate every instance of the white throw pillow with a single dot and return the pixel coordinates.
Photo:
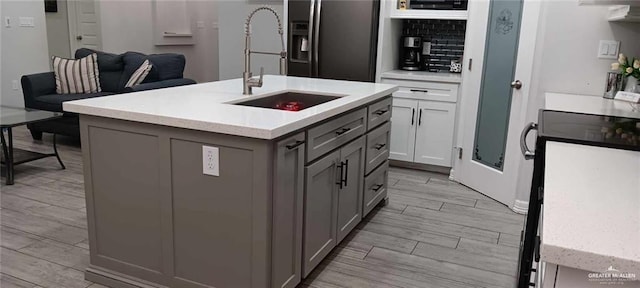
(76, 75)
(138, 76)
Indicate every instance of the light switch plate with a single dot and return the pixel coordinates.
(7, 22)
(210, 161)
(26, 22)
(608, 49)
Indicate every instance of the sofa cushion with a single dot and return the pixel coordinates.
(53, 102)
(76, 75)
(139, 75)
(164, 66)
(111, 67)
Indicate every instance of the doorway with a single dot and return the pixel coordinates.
(74, 25)
(495, 94)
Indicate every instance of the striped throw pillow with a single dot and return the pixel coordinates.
(138, 76)
(76, 75)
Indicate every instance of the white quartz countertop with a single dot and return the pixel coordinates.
(589, 104)
(423, 76)
(591, 216)
(206, 106)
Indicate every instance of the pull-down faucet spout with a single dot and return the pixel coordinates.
(247, 80)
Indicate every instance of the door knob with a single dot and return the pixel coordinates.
(79, 37)
(516, 84)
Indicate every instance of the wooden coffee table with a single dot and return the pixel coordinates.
(11, 117)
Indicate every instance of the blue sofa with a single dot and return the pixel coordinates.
(39, 90)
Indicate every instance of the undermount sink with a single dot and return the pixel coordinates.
(290, 101)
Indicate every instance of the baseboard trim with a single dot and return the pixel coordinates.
(114, 280)
(420, 166)
(520, 207)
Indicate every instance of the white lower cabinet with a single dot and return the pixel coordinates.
(422, 131)
(434, 133)
(403, 129)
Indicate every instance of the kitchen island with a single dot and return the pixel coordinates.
(190, 187)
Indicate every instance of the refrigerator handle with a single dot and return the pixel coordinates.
(316, 60)
(312, 9)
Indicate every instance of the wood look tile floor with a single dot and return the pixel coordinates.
(433, 233)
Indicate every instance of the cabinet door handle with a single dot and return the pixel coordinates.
(380, 112)
(294, 145)
(379, 146)
(413, 115)
(340, 181)
(420, 118)
(342, 131)
(419, 90)
(344, 173)
(377, 188)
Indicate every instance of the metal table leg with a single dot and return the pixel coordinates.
(55, 151)
(8, 154)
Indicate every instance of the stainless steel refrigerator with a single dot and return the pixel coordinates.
(333, 39)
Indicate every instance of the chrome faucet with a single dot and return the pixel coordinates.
(247, 81)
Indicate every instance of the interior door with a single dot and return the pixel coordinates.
(501, 36)
(84, 25)
(350, 195)
(346, 39)
(403, 129)
(434, 135)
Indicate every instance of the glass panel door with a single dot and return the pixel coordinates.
(501, 51)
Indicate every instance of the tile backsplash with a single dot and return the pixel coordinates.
(446, 38)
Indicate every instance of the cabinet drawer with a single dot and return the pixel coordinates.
(378, 113)
(335, 133)
(377, 147)
(375, 188)
(418, 90)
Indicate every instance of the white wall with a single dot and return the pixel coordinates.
(128, 26)
(58, 31)
(264, 37)
(566, 58)
(24, 49)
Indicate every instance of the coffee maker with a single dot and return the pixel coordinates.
(411, 53)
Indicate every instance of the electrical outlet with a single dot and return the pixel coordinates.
(14, 84)
(210, 161)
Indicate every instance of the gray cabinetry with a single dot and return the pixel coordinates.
(335, 133)
(288, 193)
(274, 211)
(333, 201)
(375, 188)
(350, 192)
(320, 210)
(378, 113)
(377, 146)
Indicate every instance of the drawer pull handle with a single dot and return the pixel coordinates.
(294, 145)
(419, 90)
(380, 112)
(342, 131)
(377, 188)
(379, 146)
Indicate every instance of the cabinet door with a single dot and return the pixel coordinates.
(434, 136)
(403, 129)
(350, 192)
(320, 210)
(288, 193)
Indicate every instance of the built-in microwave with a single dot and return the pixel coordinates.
(438, 4)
